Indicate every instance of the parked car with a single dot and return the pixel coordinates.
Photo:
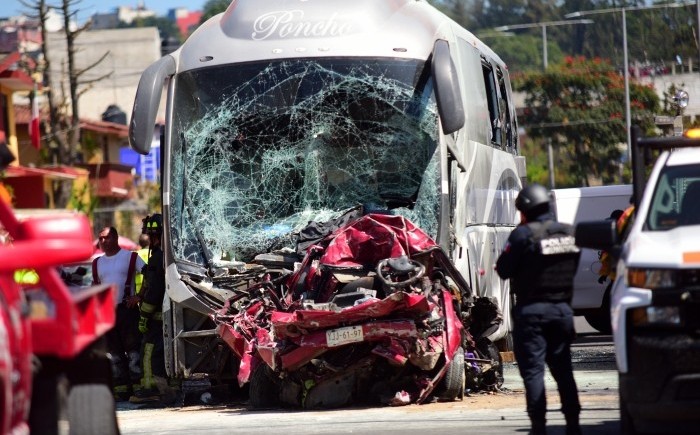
(591, 298)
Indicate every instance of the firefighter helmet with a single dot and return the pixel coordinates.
(152, 224)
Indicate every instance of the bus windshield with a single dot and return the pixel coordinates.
(260, 150)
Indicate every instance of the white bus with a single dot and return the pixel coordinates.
(283, 113)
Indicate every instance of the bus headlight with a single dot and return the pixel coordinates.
(656, 315)
(651, 278)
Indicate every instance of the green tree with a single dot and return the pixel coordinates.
(523, 52)
(213, 7)
(579, 105)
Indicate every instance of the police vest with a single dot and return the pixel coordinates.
(550, 263)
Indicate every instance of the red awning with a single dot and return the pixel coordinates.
(25, 171)
(12, 76)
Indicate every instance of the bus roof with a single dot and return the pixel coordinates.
(252, 30)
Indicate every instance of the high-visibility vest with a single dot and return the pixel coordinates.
(143, 253)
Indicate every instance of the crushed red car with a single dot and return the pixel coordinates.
(374, 314)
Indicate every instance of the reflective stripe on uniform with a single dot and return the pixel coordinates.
(147, 381)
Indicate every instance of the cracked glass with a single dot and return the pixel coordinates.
(262, 149)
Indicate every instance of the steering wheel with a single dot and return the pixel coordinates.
(400, 271)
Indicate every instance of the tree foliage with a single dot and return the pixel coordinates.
(523, 53)
(654, 36)
(579, 105)
(213, 7)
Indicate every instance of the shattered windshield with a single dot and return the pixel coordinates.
(262, 149)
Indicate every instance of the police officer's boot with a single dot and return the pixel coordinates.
(538, 427)
(572, 425)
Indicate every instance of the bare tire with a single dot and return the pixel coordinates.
(263, 392)
(455, 377)
(91, 410)
(626, 422)
(600, 319)
(48, 390)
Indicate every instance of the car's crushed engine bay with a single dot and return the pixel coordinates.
(373, 313)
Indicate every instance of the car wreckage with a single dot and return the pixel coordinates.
(375, 313)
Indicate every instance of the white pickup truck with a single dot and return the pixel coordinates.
(656, 296)
(591, 298)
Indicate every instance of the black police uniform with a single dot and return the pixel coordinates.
(540, 259)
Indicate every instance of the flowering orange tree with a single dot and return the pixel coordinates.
(579, 105)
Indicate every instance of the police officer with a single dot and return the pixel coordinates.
(540, 259)
(154, 384)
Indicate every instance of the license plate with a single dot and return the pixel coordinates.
(341, 336)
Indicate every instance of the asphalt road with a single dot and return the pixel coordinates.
(500, 413)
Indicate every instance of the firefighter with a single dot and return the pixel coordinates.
(540, 259)
(154, 383)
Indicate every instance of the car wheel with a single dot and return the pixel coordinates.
(600, 318)
(455, 377)
(264, 391)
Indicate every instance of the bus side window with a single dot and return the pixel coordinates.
(493, 104)
(509, 129)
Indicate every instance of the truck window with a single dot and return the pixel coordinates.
(676, 199)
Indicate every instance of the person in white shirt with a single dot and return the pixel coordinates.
(119, 267)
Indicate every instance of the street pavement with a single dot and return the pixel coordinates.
(478, 413)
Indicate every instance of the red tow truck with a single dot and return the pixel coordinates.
(52, 363)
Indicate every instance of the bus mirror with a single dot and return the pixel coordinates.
(148, 93)
(447, 92)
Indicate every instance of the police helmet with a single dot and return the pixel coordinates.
(152, 224)
(534, 196)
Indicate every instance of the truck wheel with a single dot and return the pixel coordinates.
(48, 401)
(91, 410)
(455, 378)
(600, 318)
(626, 422)
(263, 392)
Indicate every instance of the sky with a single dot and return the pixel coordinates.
(10, 8)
